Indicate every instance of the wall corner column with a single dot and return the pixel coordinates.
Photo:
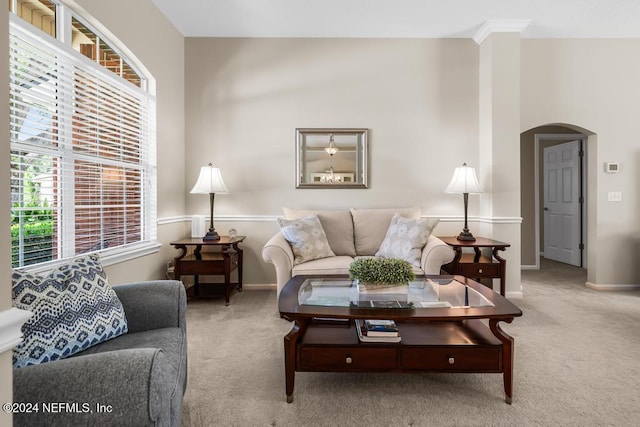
(499, 136)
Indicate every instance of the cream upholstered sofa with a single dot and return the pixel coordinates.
(351, 234)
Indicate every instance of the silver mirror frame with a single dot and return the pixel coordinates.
(361, 172)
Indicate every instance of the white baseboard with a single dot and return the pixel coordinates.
(259, 286)
(517, 294)
(617, 287)
(529, 267)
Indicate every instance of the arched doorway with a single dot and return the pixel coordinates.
(552, 138)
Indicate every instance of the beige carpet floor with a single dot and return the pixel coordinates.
(577, 363)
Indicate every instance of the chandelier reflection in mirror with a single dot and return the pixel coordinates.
(330, 175)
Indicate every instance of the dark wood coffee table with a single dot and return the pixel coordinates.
(451, 338)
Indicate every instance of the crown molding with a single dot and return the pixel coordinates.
(500, 26)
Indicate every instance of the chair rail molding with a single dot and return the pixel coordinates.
(224, 218)
(482, 219)
(11, 322)
(272, 218)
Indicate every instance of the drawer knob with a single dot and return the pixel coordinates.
(480, 270)
(451, 360)
(348, 360)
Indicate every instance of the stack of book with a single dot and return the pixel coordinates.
(370, 330)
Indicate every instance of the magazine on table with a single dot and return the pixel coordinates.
(364, 337)
(381, 328)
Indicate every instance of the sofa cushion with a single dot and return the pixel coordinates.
(406, 238)
(307, 238)
(337, 225)
(370, 226)
(73, 308)
(331, 265)
(173, 343)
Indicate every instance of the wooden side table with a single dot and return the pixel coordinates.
(221, 262)
(475, 265)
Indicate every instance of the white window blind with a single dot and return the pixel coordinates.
(82, 154)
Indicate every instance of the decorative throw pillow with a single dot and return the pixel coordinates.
(406, 238)
(370, 226)
(306, 237)
(74, 307)
(337, 225)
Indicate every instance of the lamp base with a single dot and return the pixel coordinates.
(466, 236)
(211, 235)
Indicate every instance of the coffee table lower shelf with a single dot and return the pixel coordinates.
(467, 346)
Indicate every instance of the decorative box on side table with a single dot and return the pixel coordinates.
(476, 265)
(222, 262)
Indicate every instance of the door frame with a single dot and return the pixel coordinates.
(565, 137)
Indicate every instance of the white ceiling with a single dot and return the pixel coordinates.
(400, 18)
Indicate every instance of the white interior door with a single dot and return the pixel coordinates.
(562, 226)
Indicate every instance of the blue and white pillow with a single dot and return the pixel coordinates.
(74, 308)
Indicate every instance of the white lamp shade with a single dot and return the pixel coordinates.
(464, 181)
(209, 181)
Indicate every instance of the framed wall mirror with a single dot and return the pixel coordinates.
(331, 158)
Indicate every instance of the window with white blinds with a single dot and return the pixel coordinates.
(82, 154)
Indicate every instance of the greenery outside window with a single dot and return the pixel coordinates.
(82, 143)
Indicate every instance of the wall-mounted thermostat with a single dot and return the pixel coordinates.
(612, 167)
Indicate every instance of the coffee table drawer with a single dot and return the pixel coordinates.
(453, 358)
(347, 359)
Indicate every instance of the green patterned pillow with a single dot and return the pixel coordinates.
(74, 308)
(307, 238)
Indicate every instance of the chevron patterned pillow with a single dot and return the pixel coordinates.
(74, 308)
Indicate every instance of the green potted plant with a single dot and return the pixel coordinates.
(376, 273)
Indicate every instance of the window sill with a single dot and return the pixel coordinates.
(107, 257)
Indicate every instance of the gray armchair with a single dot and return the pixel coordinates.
(136, 379)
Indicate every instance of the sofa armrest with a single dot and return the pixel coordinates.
(435, 254)
(277, 251)
(153, 304)
(129, 384)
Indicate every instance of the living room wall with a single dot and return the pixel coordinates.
(246, 97)
(594, 85)
(160, 47)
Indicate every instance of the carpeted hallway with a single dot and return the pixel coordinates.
(577, 363)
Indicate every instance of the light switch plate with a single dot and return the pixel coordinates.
(614, 196)
(612, 167)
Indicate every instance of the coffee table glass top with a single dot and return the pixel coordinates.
(423, 293)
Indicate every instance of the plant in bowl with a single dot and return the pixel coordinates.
(373, 273)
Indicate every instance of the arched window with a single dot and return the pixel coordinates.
(82, 140)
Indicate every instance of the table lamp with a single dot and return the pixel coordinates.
(210, 182)
(464, 181)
